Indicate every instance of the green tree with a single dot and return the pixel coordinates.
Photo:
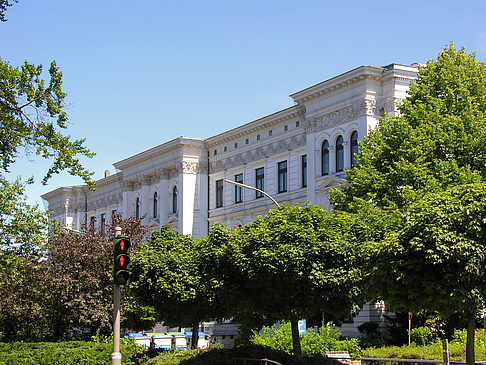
(32, 117)
(294, 263)
(412, 161)
(169, 274)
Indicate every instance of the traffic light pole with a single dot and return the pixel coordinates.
(116, 355)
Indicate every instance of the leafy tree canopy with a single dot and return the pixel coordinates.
(171, 274)
(32, 116)
(294, 263)
(435, 142)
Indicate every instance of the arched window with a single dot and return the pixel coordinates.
(156, 205)
(325, 157)
(354, 148)
(339, 154)
(174, 199)
(137, 208)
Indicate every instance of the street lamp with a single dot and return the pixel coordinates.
(252, 188)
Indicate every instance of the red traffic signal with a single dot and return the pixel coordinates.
(121, 253)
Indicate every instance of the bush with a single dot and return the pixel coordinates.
(328, 338)
(422, 336)
(64, 353)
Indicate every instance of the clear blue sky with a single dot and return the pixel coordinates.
(140, 73)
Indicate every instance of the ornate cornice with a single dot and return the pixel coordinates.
(258, 153)
(255, 126)
(158, 151)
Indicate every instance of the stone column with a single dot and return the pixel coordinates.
(202, 207)
(347, 155)
(145, 206)
(312, 166)
(164, 202)
(187, 193)
(332, 160)
(127, 196)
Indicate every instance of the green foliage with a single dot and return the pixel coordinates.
(422, 336)
(295, 262)
(64, 353)
(4, 4)
(432, 351)
(436, 142)
(291, 264)
(32, 117)
(173, 274)
(328, 338)
(23, 229)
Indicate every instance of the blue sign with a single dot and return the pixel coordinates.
(302, 326)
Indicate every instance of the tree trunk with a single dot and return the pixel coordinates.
(294, 323)
(470, 339)
(195, 335)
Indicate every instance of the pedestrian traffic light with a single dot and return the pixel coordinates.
(122, 260)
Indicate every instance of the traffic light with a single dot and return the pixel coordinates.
(122, 260)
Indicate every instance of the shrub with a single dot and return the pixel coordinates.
(328, 338)
(64, 353)
(422, 336)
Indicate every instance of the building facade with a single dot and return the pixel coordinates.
(296, 155)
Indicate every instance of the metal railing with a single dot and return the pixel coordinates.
(244, 361)
(371, 360)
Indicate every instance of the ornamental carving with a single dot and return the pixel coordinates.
(341, 116)
(145, 180)
(388, 106)
(258, 153)
(126, 186)
(189, 167)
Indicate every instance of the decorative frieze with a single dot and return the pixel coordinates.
(283, 145)
(341, 116)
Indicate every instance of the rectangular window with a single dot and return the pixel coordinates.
(282, 176)
(304, 171)
(286, 128)
(92, 221)
(103, 223)
(247, 141)
(219, 193)
(270, 133)
(239, 189)
(297, 124)
(259, 181)
(236, 145)
(258, 137)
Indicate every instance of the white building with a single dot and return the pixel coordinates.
(295, 155)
